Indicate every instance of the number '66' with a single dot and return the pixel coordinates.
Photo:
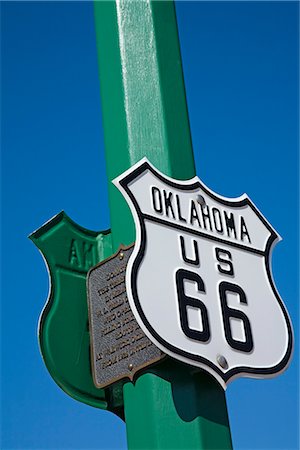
(184, 301)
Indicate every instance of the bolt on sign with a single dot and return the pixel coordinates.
(199, 280)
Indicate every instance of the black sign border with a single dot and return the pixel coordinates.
(124, 182)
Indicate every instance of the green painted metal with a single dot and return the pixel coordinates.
(145, 114)
(143, 97)
(70, 251)
(180, 411)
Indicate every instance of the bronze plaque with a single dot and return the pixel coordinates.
(119, 347)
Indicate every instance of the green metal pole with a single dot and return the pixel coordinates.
(145, 114)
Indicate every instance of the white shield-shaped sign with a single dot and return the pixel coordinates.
(199, 281)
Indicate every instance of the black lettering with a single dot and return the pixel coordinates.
(156, 200)
(168, 203)
(217, 220)
(230, 226)
(227, 312)
(182, 219)
(193, 214)
(228, 269)
(244, 231)
(184, 301)
(196, 260)
(206, 216)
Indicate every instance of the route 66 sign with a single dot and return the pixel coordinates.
(199, 280)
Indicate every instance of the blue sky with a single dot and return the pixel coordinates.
(240, 63)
